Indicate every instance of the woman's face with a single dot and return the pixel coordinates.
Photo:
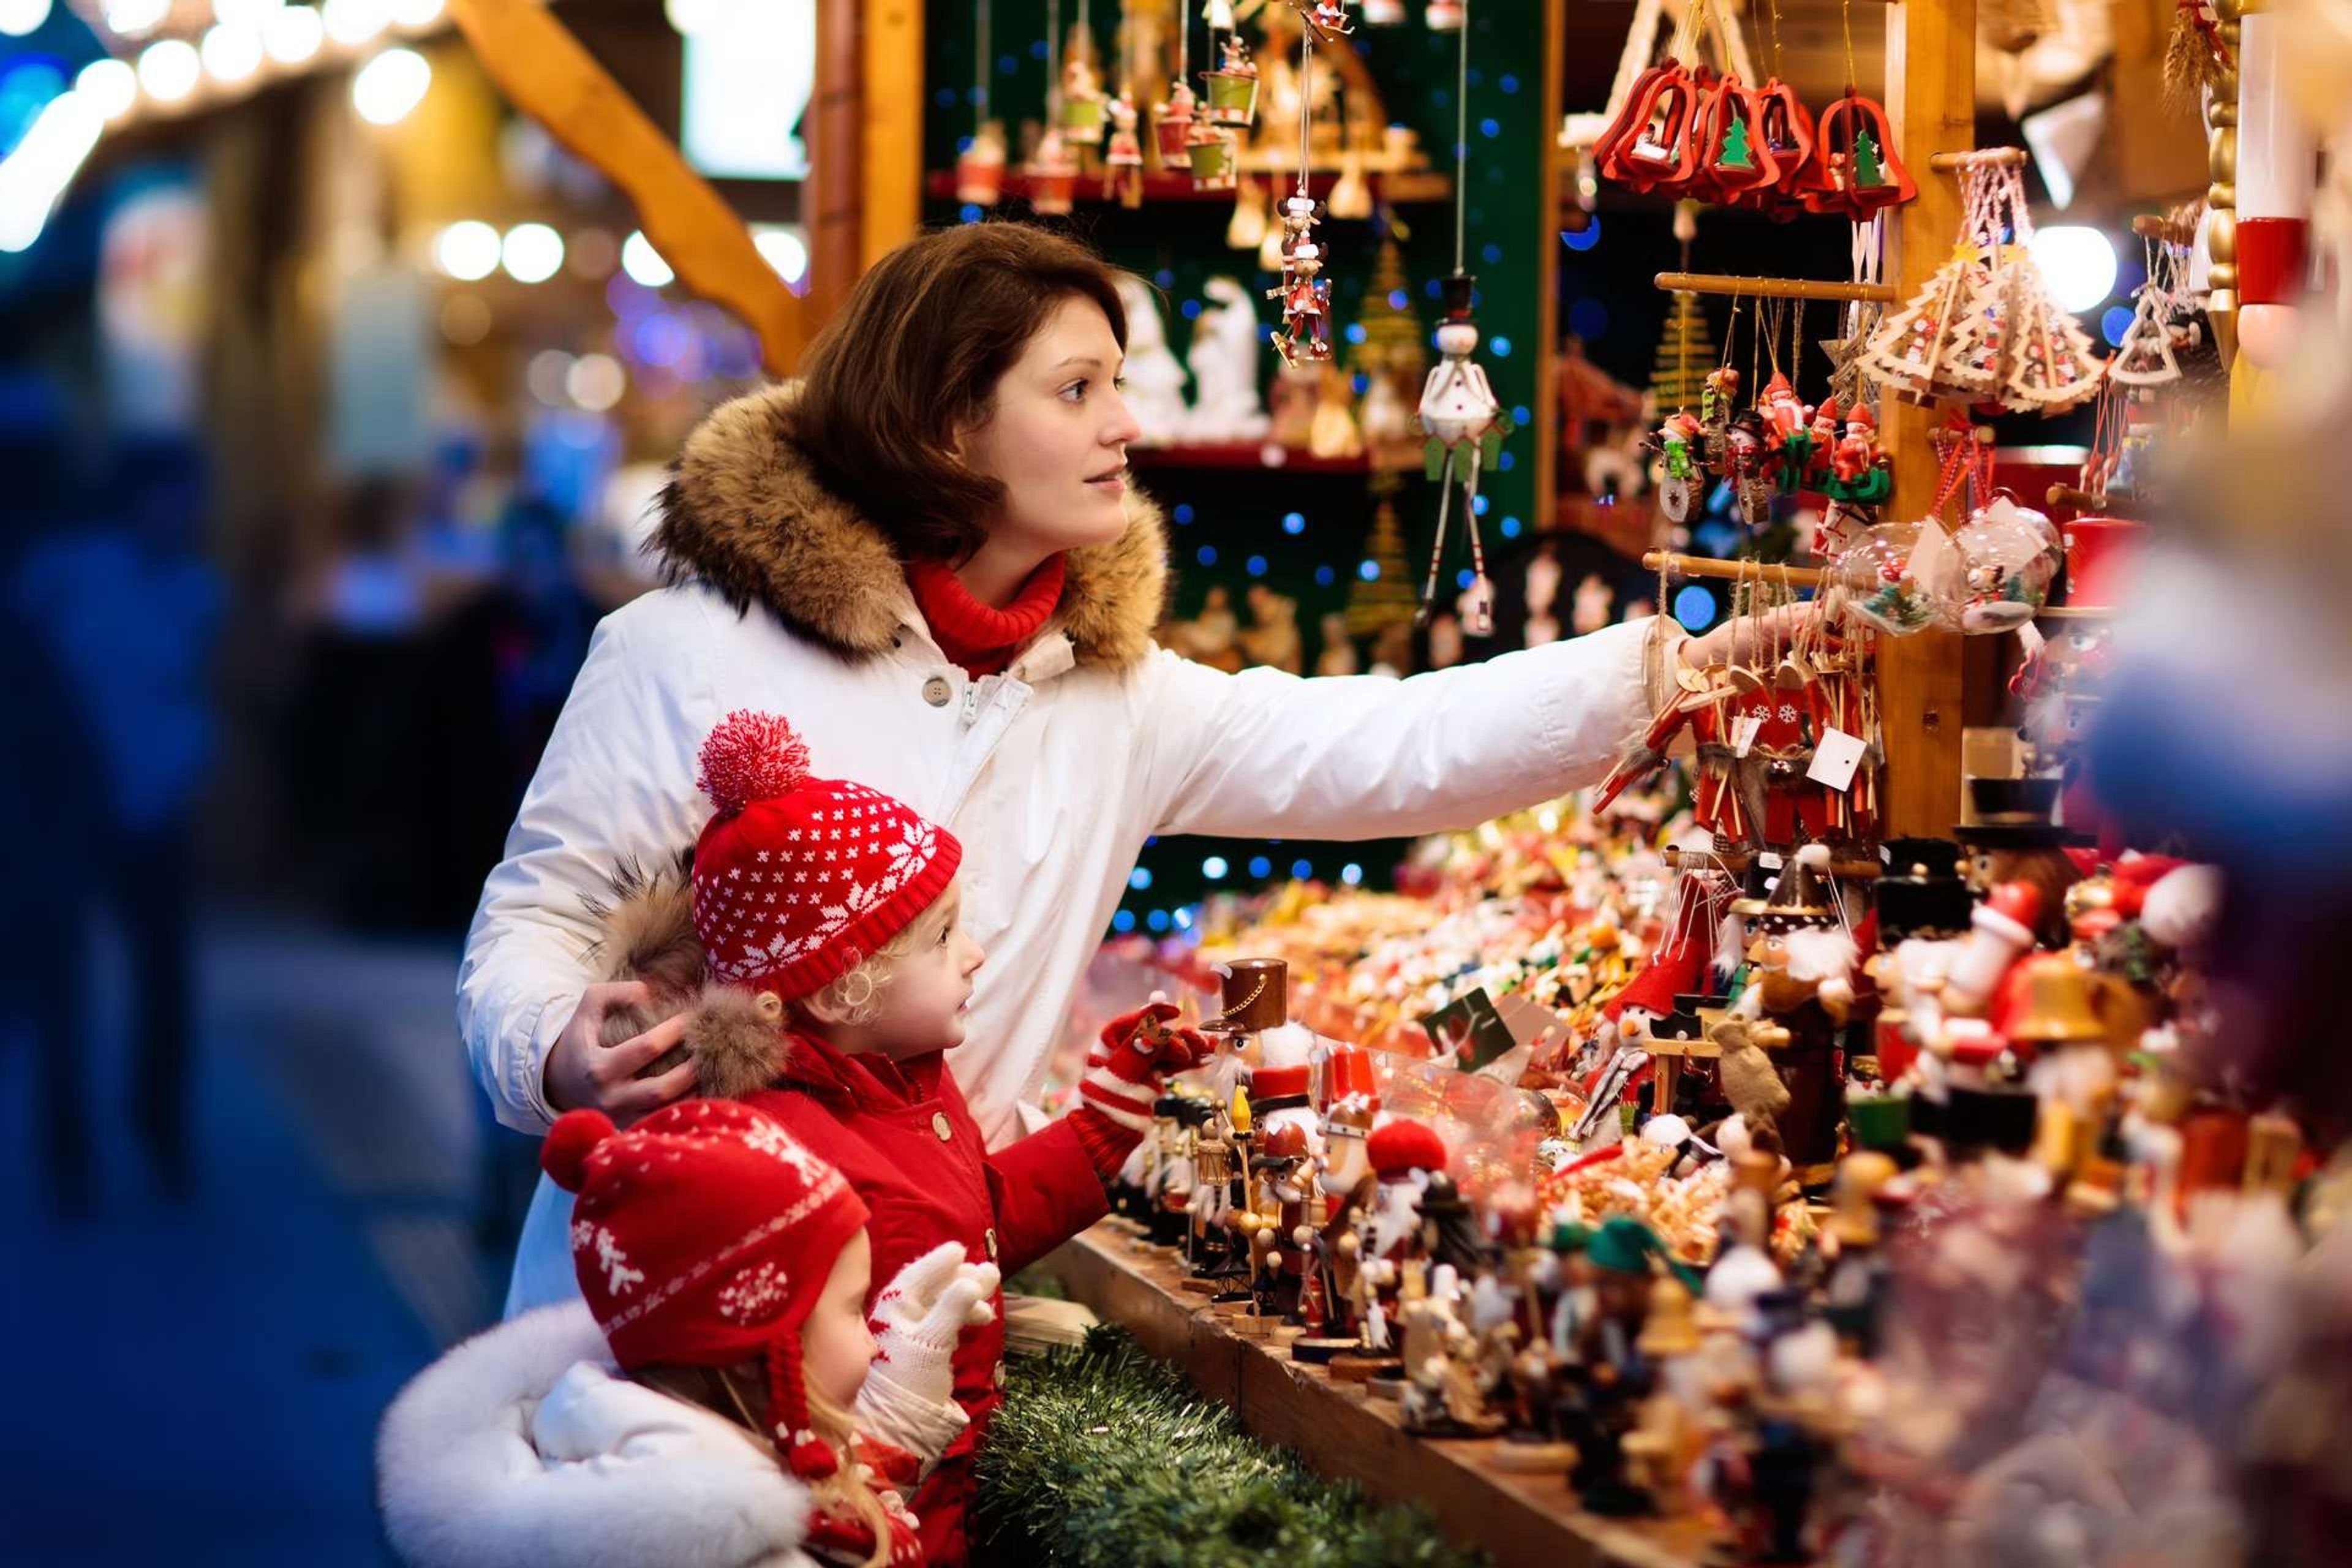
(836, 1347)
(1057, 436)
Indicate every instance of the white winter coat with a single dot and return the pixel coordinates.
(522, 1448)
(1053, 774)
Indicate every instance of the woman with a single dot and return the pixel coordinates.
(927, 553)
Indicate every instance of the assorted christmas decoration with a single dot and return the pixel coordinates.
(1305, 297)
(1983, 329)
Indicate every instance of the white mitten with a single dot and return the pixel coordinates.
(909, 1394)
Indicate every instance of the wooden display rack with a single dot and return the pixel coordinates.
(1523, 1520)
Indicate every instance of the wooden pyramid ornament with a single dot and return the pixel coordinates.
(1912, 349)
(2145, 357)
(2047, 364)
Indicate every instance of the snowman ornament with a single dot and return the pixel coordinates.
(1465, 427)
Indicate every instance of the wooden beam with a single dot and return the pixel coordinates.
(1767, 574)
(831, 198)
(1771, 288)
(1931, 100)
(891, 201)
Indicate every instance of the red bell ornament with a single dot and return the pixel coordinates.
(1789, 132)
(1652, 144)
(1854, 169)
(1734, 157)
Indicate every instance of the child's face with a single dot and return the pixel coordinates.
(836, 1347)
(925, 1005)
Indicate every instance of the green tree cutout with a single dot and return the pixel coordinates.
(1866, 172)
(1735, 153)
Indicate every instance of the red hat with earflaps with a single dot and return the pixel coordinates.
(703, 1236)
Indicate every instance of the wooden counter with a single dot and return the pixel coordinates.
(1523, 1520)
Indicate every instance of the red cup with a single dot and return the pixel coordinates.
(2100, 554)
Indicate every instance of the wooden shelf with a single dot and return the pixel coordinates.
(1528, 1520)
(1267, 456)
(1402, 188)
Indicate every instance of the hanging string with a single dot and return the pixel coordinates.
(1772, 33)
(979, 48)
(1461, 137)
(1183, 41)
(1053, 62)
(1307, 109)
(1797, 343)
(1845, 21)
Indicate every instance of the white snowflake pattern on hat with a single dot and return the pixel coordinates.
(753, 1293)
(767, 1137)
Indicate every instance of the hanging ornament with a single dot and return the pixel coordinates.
(2145, 356)
(1384, 13)
(1305, 297)
(1465, 427)
(1052, 175)
(1171, 123)
(1735, 154)
(1233, 85)
(1215, 159)
(1854, 169)
(1082, 101)
(980, 166)
(1326, 19)
(1676, 444)
(1447, 16)
(1123, 163)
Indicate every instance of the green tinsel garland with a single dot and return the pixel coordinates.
(1101, 1457)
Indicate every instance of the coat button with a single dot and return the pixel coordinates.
(939, 1125)
(991, 1241)
(936, 692)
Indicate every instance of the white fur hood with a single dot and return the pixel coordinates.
(521, 1448)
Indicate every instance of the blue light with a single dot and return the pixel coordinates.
(1508, 83)
(1502, 348)
(1490, 254)
(1399, 299)
(1506, 462)
(1434, 289)
(1184, 513)
(1191, 309)
(1370, 571)
(1352, 873)
(1037, 48)
(1519, 414)
(1293, 522)
(1165, 278)
(945, 98)
(1006, 65)
(1183, 920)
(1587, 319)
(1359, 383)
(1214, 868)
(1261, 867)
(1490, 128)
(1694, 606)
(969, 213)
(1481, 504)
(1584, 238)
(964, 143)
(1207, 555)
(1356, 332)
(1123, 922)
(1465, 577)
(1140, 879)
(1511, 525)
(1324, 576)
(2114, 323)
(1157, 919)
(1254, 566)
(1302, 869)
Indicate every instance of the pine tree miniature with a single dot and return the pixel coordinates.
(1735, 153)
(2047, 366)
(1393, 343)
(1386, 599)
(1686, 355)
(2145, 357)
(1867, 174)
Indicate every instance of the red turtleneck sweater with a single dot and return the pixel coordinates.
(981, 639)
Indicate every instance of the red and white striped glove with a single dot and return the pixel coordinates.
(1123, 1070)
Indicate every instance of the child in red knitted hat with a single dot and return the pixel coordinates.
(726, 1269)
(839, 971)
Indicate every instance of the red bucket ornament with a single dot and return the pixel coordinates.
(1650, 145)
(1854, 169)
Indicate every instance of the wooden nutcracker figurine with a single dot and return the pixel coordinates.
(1465, 425)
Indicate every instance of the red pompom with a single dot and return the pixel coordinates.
(564, 1155)
(1405, 1145)
(752, 756)
(812, 1457)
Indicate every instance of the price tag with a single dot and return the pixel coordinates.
(1835, 756)
(1769, 859)
(1743, 732)
(1935, 563)
(1470, 1027)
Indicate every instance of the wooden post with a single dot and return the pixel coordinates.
(1931, 103)
(1552, 161)
(892, 122)
(831, 200)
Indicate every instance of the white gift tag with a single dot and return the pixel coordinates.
(1743, 732)
(1935, 563)
(1835, 756)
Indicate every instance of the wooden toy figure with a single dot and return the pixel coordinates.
(1305, 297)
(1465, 425)
(1326, 19)
(1082, 102)
(1123, 164)
(1677, 443)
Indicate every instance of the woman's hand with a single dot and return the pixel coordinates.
(583, 1073)
(1750, 641)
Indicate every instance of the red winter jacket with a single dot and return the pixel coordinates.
(900, 1132)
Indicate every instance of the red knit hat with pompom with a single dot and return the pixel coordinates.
(703, 1236)
(798, 880)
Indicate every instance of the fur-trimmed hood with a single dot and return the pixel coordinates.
(646, 932)
(746, 513)
(521, 1448)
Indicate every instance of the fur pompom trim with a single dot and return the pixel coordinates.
(737, 1040)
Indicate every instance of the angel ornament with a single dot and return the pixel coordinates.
(1465, 426)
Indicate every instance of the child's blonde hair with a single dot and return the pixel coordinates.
(856, 997)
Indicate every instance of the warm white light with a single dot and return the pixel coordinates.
(135, 18)
(19, 18)
(109, 86)
(642, 263)
(415, 13)
(595, 381)
(245, 13)
(531, 252)
(784, 250)
(292, 35)
(545, 375)
(385, 89)
(36, 172)
(169, 71)
(355, 21)
(467, 250)
(2078, 264)
(232, 53)
(692, 17)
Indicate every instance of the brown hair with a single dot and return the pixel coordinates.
(913, 357)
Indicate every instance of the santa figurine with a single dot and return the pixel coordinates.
(1405, 1156)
